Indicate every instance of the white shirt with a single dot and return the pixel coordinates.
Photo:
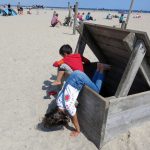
(67, 98)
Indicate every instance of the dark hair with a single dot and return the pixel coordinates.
(65, 49)
(55, 118)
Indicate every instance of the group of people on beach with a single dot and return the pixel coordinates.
(69, 20)
(81, 17)
(66, 100)
(7, 9)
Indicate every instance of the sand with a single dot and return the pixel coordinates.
(28, 47)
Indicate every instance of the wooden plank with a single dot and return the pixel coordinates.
(126, 112)
(80, 28)
(120, 34)
(140, 34)
(80, 45)
(107, 31)
(143, 36)
(130, 42)
(130, 72)
(115, 57)
(119, 123)
(114, 50)
(92, 114)
(93, 46)
(112, 58)
(118, 43)
(132, 101)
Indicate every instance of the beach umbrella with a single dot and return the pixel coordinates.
(129, 12)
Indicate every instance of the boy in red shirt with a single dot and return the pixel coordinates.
(69, 63)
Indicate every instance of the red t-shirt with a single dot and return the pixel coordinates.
(74, 61)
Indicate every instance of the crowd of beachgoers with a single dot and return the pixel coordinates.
(7, 10)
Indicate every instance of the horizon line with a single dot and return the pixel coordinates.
(84, 8)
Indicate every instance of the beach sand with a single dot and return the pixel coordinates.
(28, 48)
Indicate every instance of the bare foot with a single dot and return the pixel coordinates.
(74, 133)
(56, 83)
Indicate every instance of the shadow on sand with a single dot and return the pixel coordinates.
(48, 87)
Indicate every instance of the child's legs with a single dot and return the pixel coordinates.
(78, 79)
(98, 79)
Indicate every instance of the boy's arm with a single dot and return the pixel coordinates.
(58, 63)
(85, 60)
(75, 122)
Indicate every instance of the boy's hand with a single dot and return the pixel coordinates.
(74, 133)
(55, 64)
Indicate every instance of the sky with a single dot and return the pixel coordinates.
(109, 4)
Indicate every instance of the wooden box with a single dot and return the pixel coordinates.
(125, 97)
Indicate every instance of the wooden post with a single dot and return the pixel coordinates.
(130, 9)
(80, 45)
(131, 70)
(129, 42)
(69, 8)
(75, 18)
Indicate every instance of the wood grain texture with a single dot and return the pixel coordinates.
(131, 70)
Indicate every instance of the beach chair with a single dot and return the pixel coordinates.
(125, 97)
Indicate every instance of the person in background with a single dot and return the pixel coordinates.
(55, 20)
(121, 19)
(29, 11)
(21, 10)
(88, 16)
(9, 10)
(82, 17)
